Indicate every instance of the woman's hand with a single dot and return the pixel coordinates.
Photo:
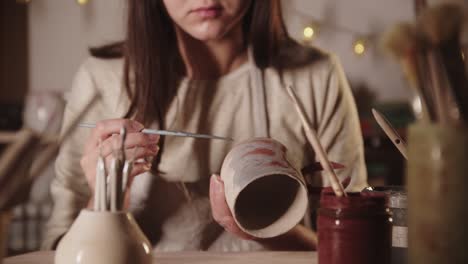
(298, 238)
(220, 210)
(108, 133)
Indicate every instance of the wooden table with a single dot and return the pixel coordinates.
(47, 257)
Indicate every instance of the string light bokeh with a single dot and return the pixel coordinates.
(359, 47)
(82, 2)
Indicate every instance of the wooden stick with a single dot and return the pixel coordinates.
(52, 151)
(14, 151)
(7, 137)
(419, 5)
(313, 139)
(46, 156)
(390, 132)
(10, 161)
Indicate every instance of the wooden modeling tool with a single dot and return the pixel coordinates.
(390, 132)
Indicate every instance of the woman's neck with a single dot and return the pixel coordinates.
(212, 59)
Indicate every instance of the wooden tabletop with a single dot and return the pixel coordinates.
(47, 257)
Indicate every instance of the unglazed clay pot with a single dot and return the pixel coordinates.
(104, 238)
(266, 194)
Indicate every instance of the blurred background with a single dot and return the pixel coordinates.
(43, 43)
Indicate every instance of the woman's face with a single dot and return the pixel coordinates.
(207, 20)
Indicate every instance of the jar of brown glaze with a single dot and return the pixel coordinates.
(356, 229)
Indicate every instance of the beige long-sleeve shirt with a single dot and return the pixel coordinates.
(222, 107)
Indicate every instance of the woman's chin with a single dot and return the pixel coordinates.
(208, 33)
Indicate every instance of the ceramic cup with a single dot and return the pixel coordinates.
(104, 238)
(4, 222)
(266, 194)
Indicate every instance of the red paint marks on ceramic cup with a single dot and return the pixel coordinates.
(260, 151)
(265, 141)
(277, 164)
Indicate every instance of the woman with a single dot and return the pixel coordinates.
(206, 66)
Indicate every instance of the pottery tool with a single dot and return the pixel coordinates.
(113, 174)
(127, 170)
(314, 140)
(168, 133)
(404, 43)
(100, 203)
(441, 26)
(121, 159)
(390, 132)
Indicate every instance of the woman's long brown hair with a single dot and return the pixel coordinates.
(152, 63)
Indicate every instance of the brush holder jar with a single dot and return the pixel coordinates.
(104, 238)
(437, 178)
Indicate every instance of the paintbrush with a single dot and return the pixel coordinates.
(441, 26)
(404, 43)
(315, 142)
(7, 137)
(168, 133)
(390, 132)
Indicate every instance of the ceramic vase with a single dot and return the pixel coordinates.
(104, 238)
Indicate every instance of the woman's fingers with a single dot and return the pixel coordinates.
(132, 140)
(135, 154)
(138, 168)
(220, 209)
(106, 128)
(88, 162)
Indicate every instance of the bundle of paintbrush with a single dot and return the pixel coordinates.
(431, 55)
(26, 156)
(111, 185)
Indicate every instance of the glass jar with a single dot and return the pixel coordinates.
(437, 182)
(354, 229)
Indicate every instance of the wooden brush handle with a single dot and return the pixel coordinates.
(314, 141)
(419, 5)
(456, 73)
